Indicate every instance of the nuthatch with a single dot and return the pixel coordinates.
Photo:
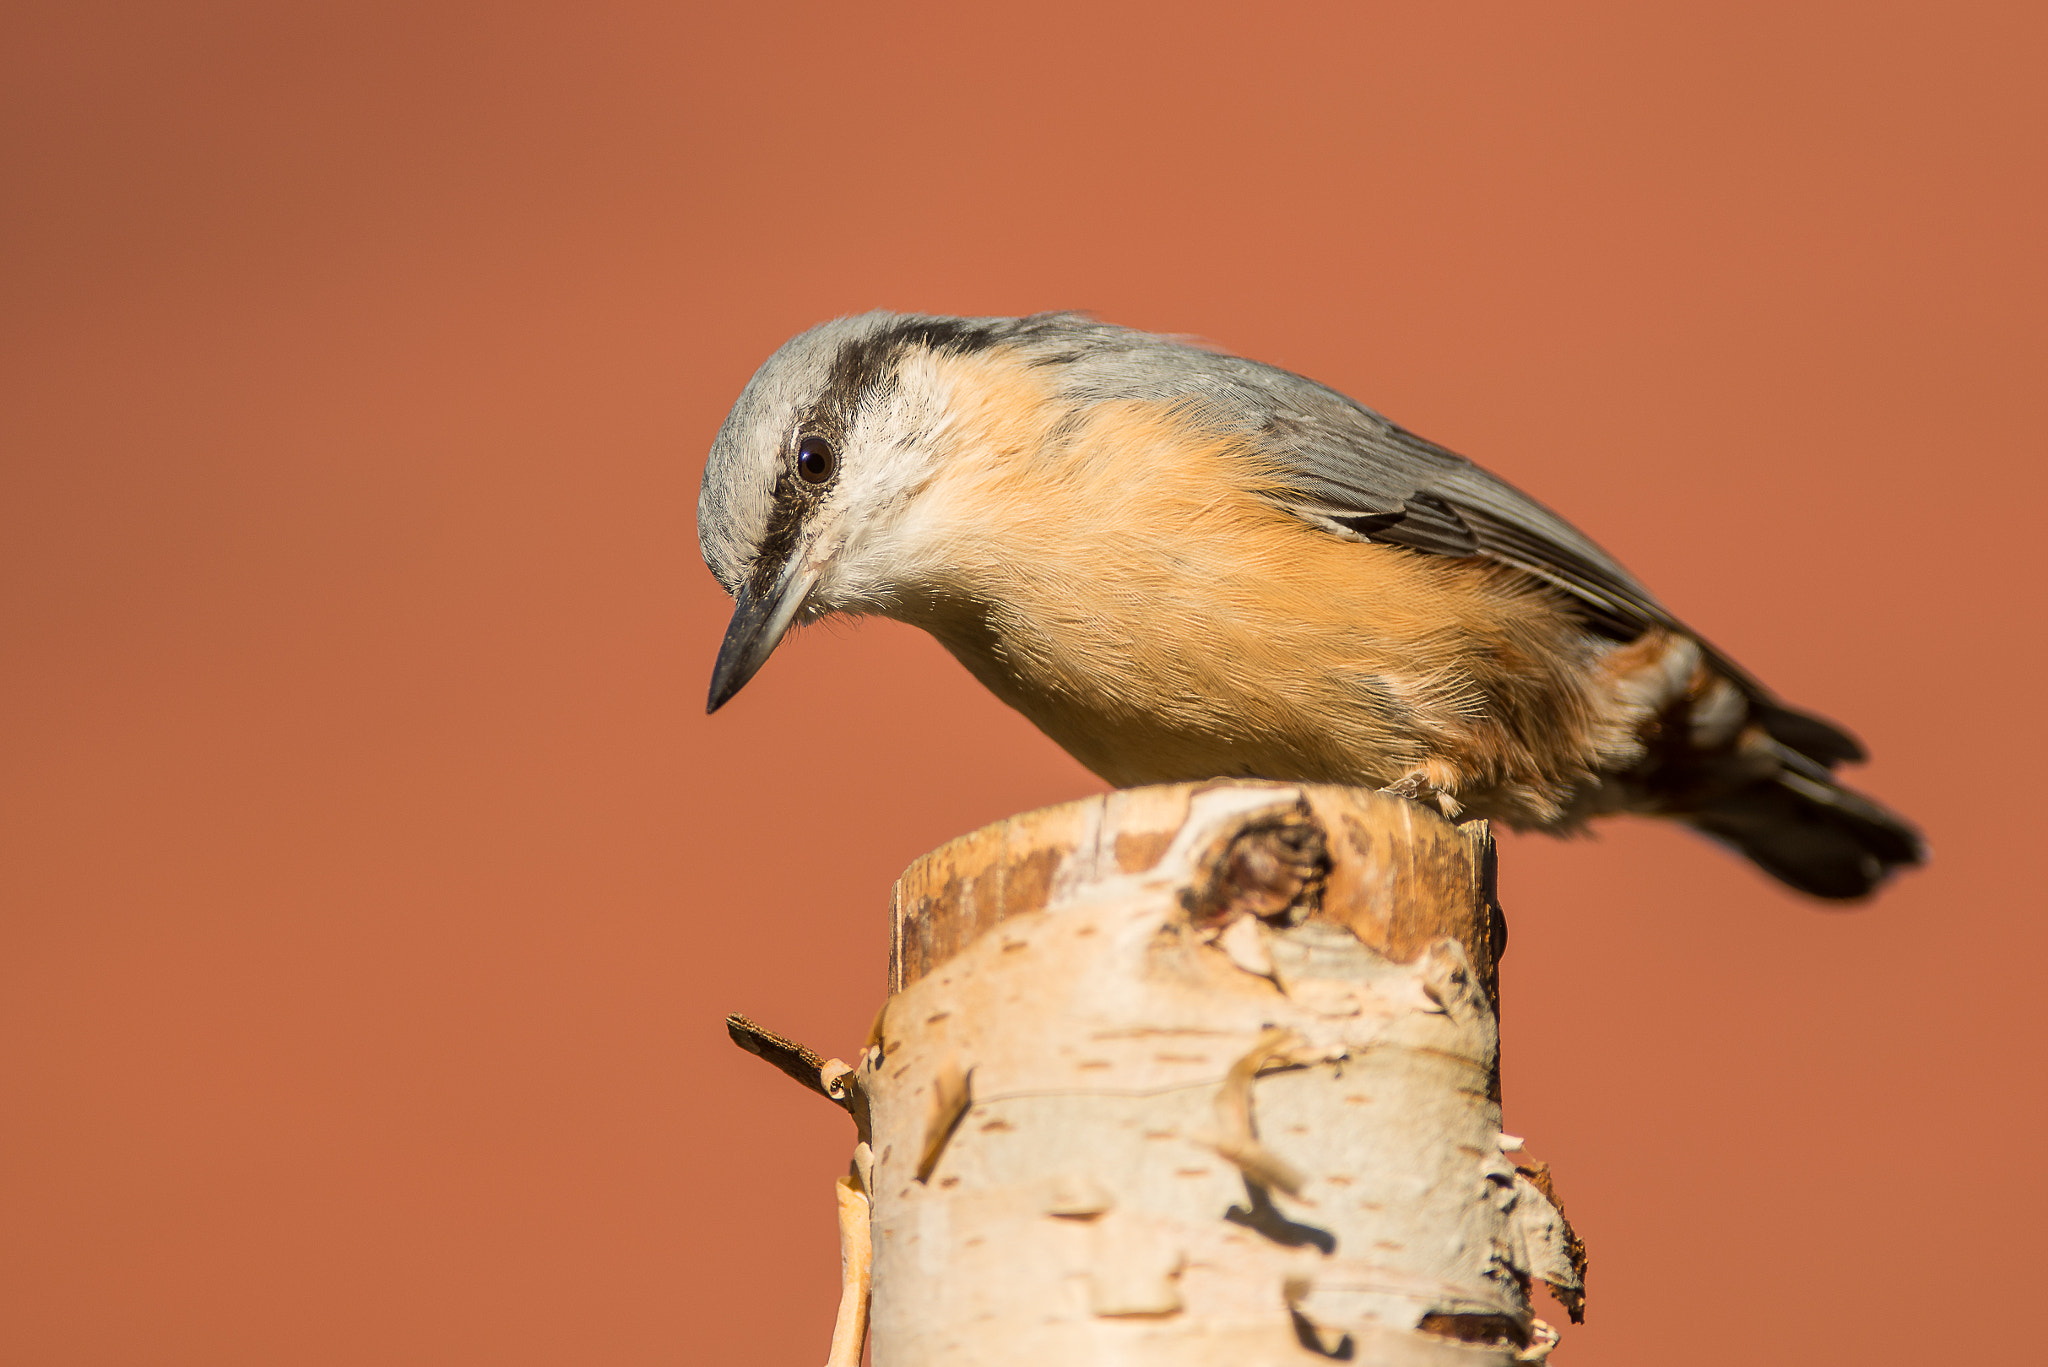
(1184, 565)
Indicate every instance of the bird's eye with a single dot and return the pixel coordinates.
(816, 461)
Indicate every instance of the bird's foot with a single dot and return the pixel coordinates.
(1415, 785)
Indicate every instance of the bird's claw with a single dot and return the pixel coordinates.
(1416, 787)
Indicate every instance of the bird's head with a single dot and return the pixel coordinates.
(810, 501)
(815, 471)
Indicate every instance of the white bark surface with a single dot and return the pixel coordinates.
(1199, 1075)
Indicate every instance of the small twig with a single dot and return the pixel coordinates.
(797, 1060)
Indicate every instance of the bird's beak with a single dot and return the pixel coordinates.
(762, 615)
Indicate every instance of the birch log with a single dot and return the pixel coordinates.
(1202, 1074)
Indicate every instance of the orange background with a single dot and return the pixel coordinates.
(372, 884)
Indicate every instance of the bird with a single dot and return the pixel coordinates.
(1183, 565)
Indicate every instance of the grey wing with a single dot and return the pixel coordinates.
(1353, 472)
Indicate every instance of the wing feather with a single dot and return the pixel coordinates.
(1348, 467)
(1361, 474)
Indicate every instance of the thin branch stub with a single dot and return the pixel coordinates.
(798, 1061)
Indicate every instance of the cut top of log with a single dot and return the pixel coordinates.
(1392, 872)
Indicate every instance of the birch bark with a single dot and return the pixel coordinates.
(1191, 1075)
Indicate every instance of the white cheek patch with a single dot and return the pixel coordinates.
(872, 538)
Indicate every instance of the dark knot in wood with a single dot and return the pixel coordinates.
(1273, 867)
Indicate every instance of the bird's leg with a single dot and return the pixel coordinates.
(1421, 785)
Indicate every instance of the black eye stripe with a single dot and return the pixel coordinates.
(785, 526)
(800, 486)
(865, 366)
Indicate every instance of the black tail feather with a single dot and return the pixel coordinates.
(1819, 837)
(1812, 736)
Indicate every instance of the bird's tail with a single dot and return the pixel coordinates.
(1728, 759)
(1774, 797)
(1811, 832)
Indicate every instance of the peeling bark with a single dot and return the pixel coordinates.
(1195, 1074)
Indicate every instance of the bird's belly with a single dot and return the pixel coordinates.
(1130, 733)
(1155, 705)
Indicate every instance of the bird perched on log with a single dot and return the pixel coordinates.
(1183, 565)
